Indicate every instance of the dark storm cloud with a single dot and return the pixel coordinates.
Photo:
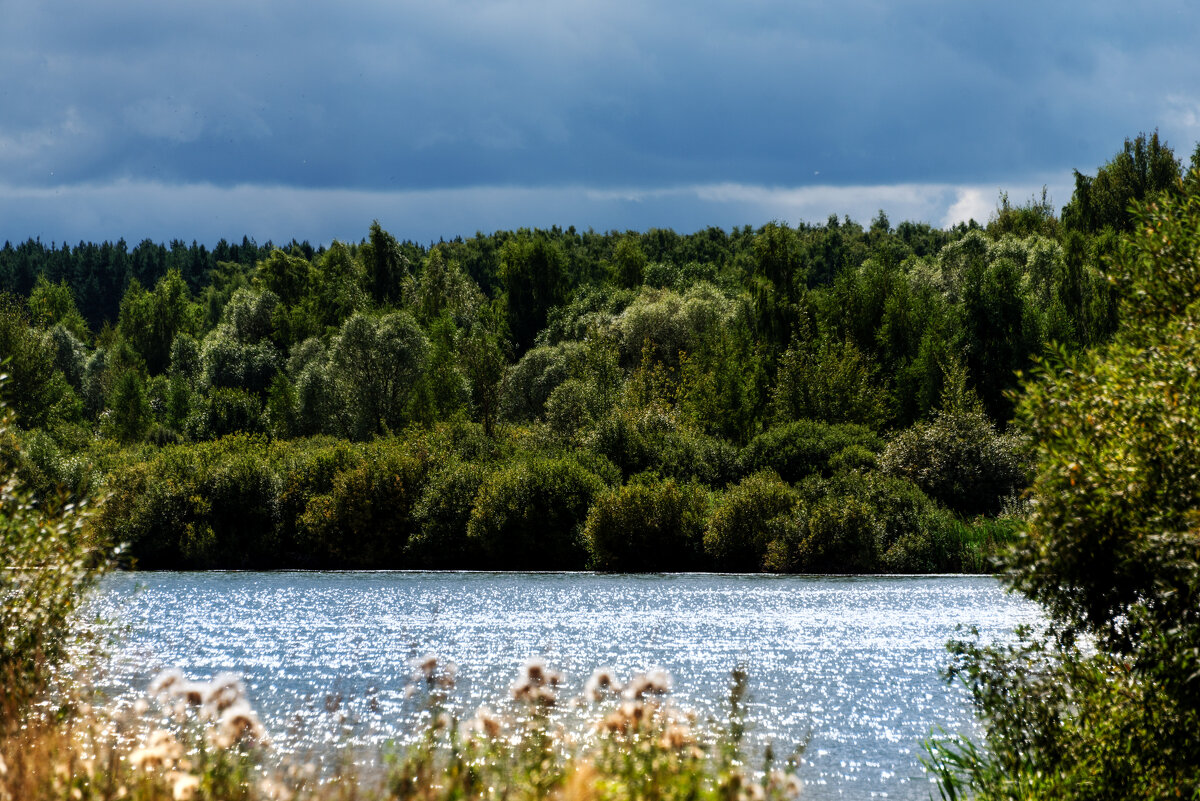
(417, 96)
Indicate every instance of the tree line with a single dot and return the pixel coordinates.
(777, 367)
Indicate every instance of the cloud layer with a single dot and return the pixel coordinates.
(706, 104)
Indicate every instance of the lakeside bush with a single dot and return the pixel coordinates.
(958, 458)
(440, 540)
(648, 526)
(803, 448)
(758, 510)
(365, 520)
(528, 514)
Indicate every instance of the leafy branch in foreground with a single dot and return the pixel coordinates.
(1106, 703)
(45, 570)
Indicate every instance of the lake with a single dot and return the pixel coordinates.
(850, 664)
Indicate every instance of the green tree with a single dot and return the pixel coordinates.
(533, 271)
(376, 362)
(1145, 166)
(1107, 704)
(628, 262)
(386, 265)
(54, 304)
(149, 320)
(129, 407)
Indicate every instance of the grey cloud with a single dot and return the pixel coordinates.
(415, 95)
(134, 210)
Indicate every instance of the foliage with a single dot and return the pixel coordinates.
(647, 526)
(802, 448)
(528, 514)
(657, 353)
(442, 514)
(46, 569)
(758, 510)
(959, 458)
(1104, 704)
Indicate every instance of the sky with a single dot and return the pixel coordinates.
(176, 119)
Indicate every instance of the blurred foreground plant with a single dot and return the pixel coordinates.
(46, 569)
(202, 740)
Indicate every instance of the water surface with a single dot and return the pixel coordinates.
(852, 664)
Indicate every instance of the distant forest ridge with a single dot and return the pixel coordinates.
(813, 397)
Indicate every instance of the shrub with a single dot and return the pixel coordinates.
(46, 568)
(365, 520)
(306, 469)
(833, 534)
(749, 517)
(692, 456)
(807, 447)
(960, 460)
(441, 516)
(647, 527)
(528, 514)
(1105, 704)
(225, 411)
(210, 505)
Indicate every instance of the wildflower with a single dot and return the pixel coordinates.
(164, 681)
(225, 690)
(535, 683)
(676, 737)
(161, 750)
(237, 722)
(184, 786)
(485, 723)
(425, 667)
(625, 719)
(192, 692)
(601, 683)
(274, 790)
(783, 784)
(653, 682)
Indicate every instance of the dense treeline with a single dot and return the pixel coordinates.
(822, 397)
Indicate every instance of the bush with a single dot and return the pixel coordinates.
(365, 520)
(211, 505)
(307, 467)
(1105, 704)
(648, 527)
(439, 540)
(528, 514)
(748, 518)
(960, 460)
(833, 534)
(225, 411)
(46, 568)
(809, 447)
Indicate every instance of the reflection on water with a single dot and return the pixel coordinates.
(851, 663)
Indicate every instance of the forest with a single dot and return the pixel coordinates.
(828, 397)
